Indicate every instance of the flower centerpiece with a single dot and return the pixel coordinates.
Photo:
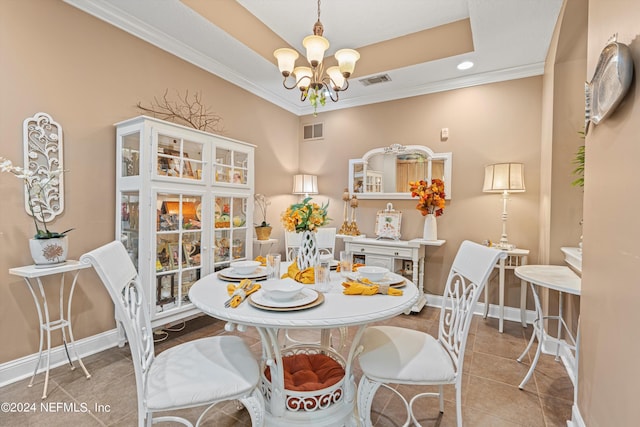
(38, 185)
(305, 217)
(431, 202)
(263, 231)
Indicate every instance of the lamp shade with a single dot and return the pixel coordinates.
(286, 60)
(347, 61)
(502, 177)
(305, 184)
(315, 45)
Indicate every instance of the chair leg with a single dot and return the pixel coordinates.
(458, 404)
(366, 391)
(255, 405)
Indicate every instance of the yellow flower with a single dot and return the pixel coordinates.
(305, 216)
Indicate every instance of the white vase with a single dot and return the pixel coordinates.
(308, 253)
(430, 231)
(48, 252)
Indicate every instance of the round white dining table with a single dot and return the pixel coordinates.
(336, 311)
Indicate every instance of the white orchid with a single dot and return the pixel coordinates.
(37, 185)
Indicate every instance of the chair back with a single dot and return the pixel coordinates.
(292, 241)
(118, 274)
(468, 275)
(325, 241)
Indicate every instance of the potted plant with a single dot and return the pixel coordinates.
(263, 231)
(47, 247)
(305, 217)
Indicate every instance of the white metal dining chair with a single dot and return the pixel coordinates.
(325, 240)
(196, 373)
(395, 355)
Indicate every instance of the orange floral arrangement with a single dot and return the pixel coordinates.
(430, 196)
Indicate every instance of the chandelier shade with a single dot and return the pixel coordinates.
(313, 81)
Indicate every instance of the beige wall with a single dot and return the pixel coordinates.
(609, 371)
(490, 123)
(88, 75)
(98, 74)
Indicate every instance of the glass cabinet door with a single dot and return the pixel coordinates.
(179, 157)
(231, 166)
(178, 241)
(230, 229)
(130, 154)
(129, 224)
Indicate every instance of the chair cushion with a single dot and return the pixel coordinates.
(404, 356)
(201, 371)
(309, 372)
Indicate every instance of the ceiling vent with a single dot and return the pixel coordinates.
(313, 131)
(382, 78)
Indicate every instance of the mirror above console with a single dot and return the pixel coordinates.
(385, 173)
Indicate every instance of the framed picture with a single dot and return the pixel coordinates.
(388, 223)
(174, 254)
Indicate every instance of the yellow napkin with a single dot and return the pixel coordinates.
(305, 276)
(262, 260)
(370, 288)
(241, 291)
(353, 268)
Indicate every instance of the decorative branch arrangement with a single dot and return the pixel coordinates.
(186, 110)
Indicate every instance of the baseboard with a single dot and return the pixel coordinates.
(18, 369)
(576, 418)
(510, 313)
(513, 314)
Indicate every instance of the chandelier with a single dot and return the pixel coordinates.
(315, 82)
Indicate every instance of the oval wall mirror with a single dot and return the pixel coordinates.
(385, 173)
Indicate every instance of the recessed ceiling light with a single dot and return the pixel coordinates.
(465, 65)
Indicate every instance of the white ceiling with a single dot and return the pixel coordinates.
(510, 39)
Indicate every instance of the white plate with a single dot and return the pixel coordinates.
(391, 279)
(305, 296)
(232, 274)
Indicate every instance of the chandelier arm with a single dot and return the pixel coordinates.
(296, 84)
(330, 89)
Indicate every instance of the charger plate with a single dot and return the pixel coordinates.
(268, 304)
(391, 279)
(230, 275)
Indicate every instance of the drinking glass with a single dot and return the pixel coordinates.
(321, 275)
(346, 263)
(273, 266)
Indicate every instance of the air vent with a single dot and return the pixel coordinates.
(313, 131)
(382, 78)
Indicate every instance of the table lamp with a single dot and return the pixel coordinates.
(305, 184)
(504, 178)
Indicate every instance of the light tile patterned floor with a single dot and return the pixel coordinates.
(490, 393)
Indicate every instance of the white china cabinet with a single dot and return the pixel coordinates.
(184, 203)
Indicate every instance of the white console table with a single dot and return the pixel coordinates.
(391, 254)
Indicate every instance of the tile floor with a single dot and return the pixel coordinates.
(490, 395)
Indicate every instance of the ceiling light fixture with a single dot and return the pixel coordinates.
(465, 65)
(314, 82)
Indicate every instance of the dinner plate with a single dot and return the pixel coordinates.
(229, 274)
(319, 300)
(391, 279)
(304, 297)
